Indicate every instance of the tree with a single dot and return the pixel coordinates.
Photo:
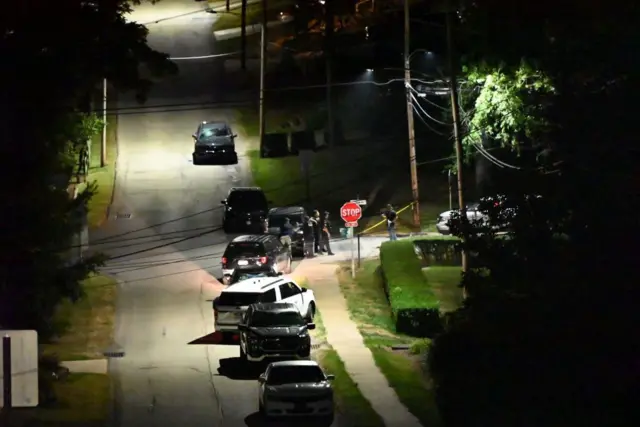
(45, 83)
(544, 337)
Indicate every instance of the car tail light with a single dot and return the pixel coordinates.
(263, 260)
(496, 204)
(224, 261)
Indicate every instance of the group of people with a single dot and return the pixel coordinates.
(316, 230)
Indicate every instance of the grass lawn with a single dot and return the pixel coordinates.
(233, 19)
(349, 400)
(104, 177)
(83, 400)
(369, 308)
(444, 281)
(90, 322)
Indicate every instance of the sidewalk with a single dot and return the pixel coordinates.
(343, 335)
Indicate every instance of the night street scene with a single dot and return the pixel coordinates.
(347, 213)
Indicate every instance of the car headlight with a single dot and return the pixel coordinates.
(299, 233)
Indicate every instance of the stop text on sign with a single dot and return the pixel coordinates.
(350, 212)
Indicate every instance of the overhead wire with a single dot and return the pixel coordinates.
(415, 102)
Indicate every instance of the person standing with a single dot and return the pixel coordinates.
(391, 216)
(286, 231)
(326, 234)
(316, 225)
(307, 233)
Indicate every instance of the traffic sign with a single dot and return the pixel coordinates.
(350, 212)
(360, 202)
(351, 224)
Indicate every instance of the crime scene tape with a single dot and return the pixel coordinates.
(384, 220)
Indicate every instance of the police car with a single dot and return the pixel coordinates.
(231, 305)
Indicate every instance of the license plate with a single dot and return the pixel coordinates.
(248, 222)
(243, 262)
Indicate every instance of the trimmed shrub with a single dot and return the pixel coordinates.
(441, 251)
(414, 306)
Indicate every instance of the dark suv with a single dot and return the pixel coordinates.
(245, 210)
(212, 141)
(274, 331)
(296, 215)
(259, 250)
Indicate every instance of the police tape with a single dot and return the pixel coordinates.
(384, 220)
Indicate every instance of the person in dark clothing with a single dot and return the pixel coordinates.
(286, 231)
(317, 226)
(326, 234)
(307, 233)
(391, 216)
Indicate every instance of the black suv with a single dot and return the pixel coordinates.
(296, 215)
(245, 210)
(256, 250)
(214, 140)
(274, 331)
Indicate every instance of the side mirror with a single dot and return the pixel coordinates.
(242, 327)
(194, 136)
(331, 377)
(304, 289)
(224, 202)
(262, 378)
(311, 326)
(235, 135)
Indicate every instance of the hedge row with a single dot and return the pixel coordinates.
(415, 308)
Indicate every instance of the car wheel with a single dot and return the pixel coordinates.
(311, 312)
(261, 409)
(196, 161)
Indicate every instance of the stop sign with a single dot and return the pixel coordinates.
(350, 212)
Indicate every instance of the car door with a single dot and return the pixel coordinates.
(292, 294)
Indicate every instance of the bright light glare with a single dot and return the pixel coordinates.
(369, 70)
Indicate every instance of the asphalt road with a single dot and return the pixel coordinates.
(162, 198)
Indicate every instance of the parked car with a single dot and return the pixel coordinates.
(443, 224)
(233, 302)
(296, 388)
(213, 141)
(274, 331)
(276, 219)
(245, 210)
(256, 250)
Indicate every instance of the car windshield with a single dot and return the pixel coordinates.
(278, 220)
(239, 299)
(238, 277)
(248, 199)
(275, 319)
(295, 374)
(208, 132)
(244, 250)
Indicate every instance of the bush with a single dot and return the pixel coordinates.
(442, 251)
(415, 308)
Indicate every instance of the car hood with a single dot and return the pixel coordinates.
(446, 214)
(216, 141)
(288, 331)
(301, 389)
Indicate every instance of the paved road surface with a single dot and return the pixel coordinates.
(165, 248)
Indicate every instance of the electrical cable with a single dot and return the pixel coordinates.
(415, 110)
(415, 101)
(425, 98)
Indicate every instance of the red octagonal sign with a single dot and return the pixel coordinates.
(350, 212)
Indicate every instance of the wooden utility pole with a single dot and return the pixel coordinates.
(455, 111)
(328, 54)
(103, 144)
(412, 133)
(243, 35)
(263, 63)
(228, 6)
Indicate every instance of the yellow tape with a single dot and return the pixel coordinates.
(384, 220)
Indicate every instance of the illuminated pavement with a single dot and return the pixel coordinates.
(164, 300)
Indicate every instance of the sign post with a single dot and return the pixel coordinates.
(350, 213)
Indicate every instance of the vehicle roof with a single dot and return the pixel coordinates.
(278, 307)
(256, 238)
(287, 210)
(232, 189)
(257, 284)
(213, 124)
(290, 363)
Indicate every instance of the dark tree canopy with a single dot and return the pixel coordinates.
(55, 55)
(547, 335)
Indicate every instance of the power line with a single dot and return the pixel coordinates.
(427, 114)
(415, 110)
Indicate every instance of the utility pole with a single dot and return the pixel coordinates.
(103, 145)
(228, 6)
(328, 53)
(243, 35)
(453, 90)
(412, 133)
(263, 60)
